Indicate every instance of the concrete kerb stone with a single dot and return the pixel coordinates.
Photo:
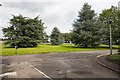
(104, 65)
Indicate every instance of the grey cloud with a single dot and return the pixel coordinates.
(53, 14)
(30, 6)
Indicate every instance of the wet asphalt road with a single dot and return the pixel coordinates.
(60, 65)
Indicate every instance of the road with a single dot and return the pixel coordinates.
(59, 65)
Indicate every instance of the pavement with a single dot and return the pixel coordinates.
(102, 60)
(59, 65)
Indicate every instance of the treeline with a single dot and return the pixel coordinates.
(89, 29)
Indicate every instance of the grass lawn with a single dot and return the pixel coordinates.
(47, 48)
(115, 58)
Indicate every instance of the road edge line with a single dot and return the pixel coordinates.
(40, 71)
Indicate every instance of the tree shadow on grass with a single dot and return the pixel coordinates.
(8, 46)
(18, 47)
(66, 46)
(39, 45)
(99, 47)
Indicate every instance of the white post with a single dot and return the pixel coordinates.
(15, 49)
(70, 44)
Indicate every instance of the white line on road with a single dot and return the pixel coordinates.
(8, 74)
(5, 57)
(40, 71)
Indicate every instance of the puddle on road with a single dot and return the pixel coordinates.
(61, 72)
(82, 72)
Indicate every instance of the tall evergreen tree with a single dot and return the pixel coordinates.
(55, 36)
(87, 31)
(46, 37)
(24, 31)
(67, 37)
(118, 28)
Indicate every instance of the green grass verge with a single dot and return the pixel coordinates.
(115, 58)
(46, 48)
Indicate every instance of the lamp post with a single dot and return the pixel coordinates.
(110, 22)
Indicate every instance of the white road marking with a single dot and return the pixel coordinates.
(5, 57)
(90, 55)
(40, 71)
(68, 71)
(37, 60)
(23, 62)
(8, 74)
(18, 63)
(63, 63)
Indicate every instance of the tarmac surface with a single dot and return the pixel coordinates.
(102, 60)
(58, 65)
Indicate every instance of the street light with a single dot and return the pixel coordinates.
(110, 22)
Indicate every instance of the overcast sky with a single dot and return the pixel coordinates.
(54, 13)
